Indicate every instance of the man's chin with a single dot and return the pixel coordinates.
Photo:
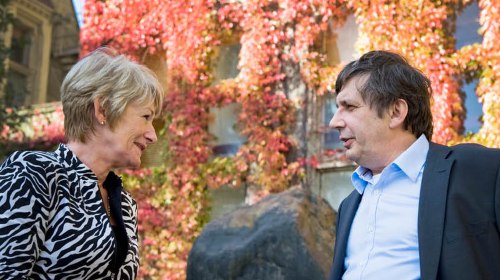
(351, 155)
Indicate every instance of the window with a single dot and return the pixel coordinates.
(225, 200)
(18, 76)
(344, 43)
(332, 180)
(332, 141)
(28, 65)
(226, 66)
(335, 185)
(228, 139)
(20, 46)
(16, 93)
(347, 35)
(466, 33)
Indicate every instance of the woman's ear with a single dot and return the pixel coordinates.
(398, 113)
(99, 112)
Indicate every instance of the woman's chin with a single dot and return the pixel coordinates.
(133, 164)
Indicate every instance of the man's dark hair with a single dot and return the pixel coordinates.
(390, 77)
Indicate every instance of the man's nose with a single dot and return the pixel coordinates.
(336, 121)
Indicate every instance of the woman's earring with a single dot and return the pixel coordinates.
(102, 122)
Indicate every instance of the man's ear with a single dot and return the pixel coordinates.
(99, 112)
(398, 112)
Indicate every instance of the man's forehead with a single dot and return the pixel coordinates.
(350, 90)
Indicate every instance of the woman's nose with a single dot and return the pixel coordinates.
(151, 135)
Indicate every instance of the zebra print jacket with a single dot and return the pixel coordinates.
(53, 224)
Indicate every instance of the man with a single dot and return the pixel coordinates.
(419, 210)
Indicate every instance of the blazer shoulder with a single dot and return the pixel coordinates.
(465, 150)
(476, 151)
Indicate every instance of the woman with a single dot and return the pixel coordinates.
(64, 214)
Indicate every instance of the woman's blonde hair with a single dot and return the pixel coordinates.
(112, 79)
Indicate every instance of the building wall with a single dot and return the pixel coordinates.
(45, 43)
(330, 179)
(65, 46)
(29, 39)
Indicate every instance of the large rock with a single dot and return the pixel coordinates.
(286, 236)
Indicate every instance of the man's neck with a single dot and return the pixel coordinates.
(393, 150)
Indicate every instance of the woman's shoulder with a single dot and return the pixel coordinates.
(30, 164)
(32, 157)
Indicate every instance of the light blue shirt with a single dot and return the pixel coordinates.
(383, 242)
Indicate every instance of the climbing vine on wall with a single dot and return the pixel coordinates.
(273, 34)
(482, 62)
(421, 30)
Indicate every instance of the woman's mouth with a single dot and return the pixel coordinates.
(142, 147)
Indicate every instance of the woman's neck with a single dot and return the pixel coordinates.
(91, 157)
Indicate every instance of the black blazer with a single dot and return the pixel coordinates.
(458, 215)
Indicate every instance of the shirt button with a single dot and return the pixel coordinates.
(370, 229)
(376, 192)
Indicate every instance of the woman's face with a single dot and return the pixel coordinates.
(132, 133)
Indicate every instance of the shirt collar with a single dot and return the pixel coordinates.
(360, 178)
(411, 162)
(413, 159)
(71, 162)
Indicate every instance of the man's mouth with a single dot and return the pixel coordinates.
(347, 141)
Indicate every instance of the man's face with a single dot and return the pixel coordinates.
(365, 135)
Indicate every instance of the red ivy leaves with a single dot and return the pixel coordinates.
(272, 33)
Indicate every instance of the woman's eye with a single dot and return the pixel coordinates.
(147, 117)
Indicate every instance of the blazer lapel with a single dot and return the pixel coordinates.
(346, 214)
(432, 208)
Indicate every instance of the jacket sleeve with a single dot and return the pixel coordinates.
(497, 198)
(24, 212)
(333, 273)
